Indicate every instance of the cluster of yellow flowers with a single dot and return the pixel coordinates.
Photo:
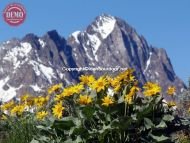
(8, 105)
(151, 88)
(41, 115)
(81, 94)
(18, 110)
(55, 88)
(27, 102)
(69, 91)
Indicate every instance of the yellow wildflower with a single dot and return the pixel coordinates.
(59, 97)
(87, 79)
(128, 99)
(18, 110)
(30, 101)
(115, 81)
(171, 90)
(107, 100)
(8, 105)
(41, 115)
(127, 75)
(68, 92)
(151, 89)
(24, 98)
(85, 99)
(99, 84)
(58, 110)
(133, 90)
(171, 104)
(40, 101)
(77, 88)
(117, 88)
(109, 79)
(55, 88)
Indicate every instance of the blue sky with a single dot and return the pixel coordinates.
(164, 23)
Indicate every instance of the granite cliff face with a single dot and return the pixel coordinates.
(33, 63)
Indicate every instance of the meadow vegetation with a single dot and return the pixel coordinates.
(108, 109)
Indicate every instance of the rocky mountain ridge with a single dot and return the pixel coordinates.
(34, 63)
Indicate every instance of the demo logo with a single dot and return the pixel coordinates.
(14, 14)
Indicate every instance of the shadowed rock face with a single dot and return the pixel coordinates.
(33, 63)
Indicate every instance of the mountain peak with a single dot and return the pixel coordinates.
(104, 25)
(101, 27)
(107, 42)
(29, 37)
(104, 17)
(53, 34)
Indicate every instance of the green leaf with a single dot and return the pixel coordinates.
(161, 125)
(158, 99)
(168, 118)
(105, 129)
(34, 141)
(134, 116)
(115, 123)
(88, 111)
(63, 124)
(121, 99)
(148, 123)
(93, 94)
(43, 139)
(124, 123)
(77, 140)
(144, 112)
(161, 138)
(43, 128)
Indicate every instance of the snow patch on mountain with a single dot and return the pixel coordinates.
(35, 67)
(36, 88)
(46, 71)
(42, 43)
(86, 50)
(17, 52)
(148, 62)
(95, 43)
(104, 25)
(1, 69)
(7, 42)
(157, 73)
(8, 94)
(25, 48)
(75, 35)
(60, 74)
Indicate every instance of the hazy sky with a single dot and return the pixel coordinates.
(164, 23)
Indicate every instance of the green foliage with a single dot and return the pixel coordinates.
(147, 120)
(124, 117)
(20, 130)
